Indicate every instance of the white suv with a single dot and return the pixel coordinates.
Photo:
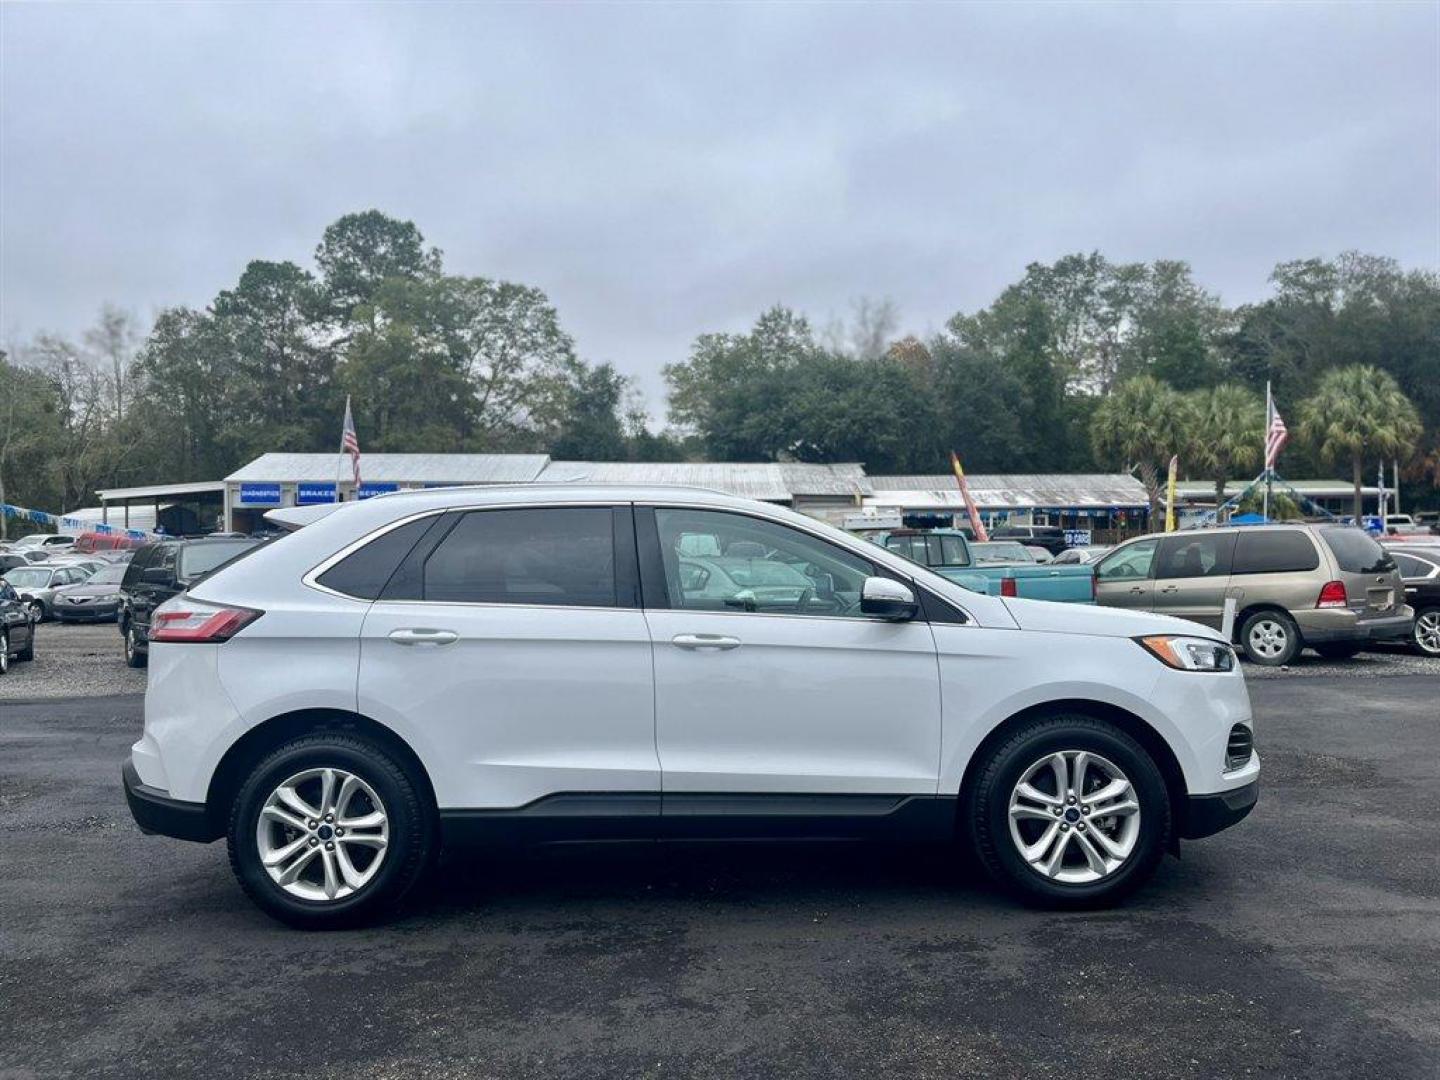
(543, 663)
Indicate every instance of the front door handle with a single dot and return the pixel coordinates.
(1137, 591)
(419, 636)
(705, 641)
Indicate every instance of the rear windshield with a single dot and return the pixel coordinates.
(1355, 552)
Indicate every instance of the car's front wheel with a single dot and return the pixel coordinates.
(328, 831)
(1069, 811)
(1426, 633)
(4, 652)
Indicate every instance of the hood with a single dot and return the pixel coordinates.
(1089, 619)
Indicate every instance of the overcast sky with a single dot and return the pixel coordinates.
(663, 171)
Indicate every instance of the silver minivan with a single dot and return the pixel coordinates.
(1329, 587)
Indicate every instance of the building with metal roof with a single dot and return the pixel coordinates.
(1075, 501)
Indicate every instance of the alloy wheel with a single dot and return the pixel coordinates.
(1074, 817)
(1427, 632)
(1268, 639)
(322, 834)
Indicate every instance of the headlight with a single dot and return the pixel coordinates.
(1190, 653)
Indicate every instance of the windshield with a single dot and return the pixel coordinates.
(1000, 551)
(200, 559)
(1355, 552)
(111, 575)
(29, 577)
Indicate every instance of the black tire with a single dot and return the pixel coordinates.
(41, 611)
(1285, 653)
(28, 652)
(406, 855)
(1338, 650)
(988, 803)
(134, 656)
(1420, 632)
(4, 651)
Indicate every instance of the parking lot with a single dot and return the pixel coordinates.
(1303, 943)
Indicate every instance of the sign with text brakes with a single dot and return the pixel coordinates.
(313, 494)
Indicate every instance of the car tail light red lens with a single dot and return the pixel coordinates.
(196, 622)
(1333, 595)
(1007, 587)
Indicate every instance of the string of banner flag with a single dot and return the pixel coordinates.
(65, 524)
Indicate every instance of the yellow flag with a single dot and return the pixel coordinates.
(1170, 495)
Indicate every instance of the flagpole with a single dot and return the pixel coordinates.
(340, 457)
(1269, 419)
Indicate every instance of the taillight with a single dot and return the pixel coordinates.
(1007, 587)
(1333, 595)
(184, 619)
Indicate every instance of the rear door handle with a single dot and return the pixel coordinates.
(1170, 588)
(1137, 591)
(419, 636)
(705, 641)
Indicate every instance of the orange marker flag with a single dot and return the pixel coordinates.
(975, 522)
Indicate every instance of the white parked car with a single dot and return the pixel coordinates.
(530, 664)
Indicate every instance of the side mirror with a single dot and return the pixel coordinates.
(885, 598)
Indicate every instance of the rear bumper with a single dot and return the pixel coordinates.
(1206, 815)
(155, 812)
(1346, 627)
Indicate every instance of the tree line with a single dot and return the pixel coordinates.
(1082, 365)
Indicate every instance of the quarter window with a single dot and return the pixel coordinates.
(562, 556)
(756, 566)
(1274, 551)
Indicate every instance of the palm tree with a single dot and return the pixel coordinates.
(1138, 426)
(1229, 433)
(1358, 412)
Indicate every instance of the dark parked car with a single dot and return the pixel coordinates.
(96, 599)
(1049, 537)
(158, 572)
(1419, 567)
(17, 628)
(9, 560)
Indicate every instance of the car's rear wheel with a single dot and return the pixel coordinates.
(4, 652)
(1271, 638)
(134, 656)
(1426, 634)
(1069, 811)
(328, 831)
(1339, 651)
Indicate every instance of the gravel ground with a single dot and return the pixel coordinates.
(85, 660)
(73, 660)
(1302, 943)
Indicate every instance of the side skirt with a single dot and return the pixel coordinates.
(606, 816)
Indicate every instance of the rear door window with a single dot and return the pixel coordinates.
(1274, 551)
(1355, 552)
(1412, 567)
(563, 556)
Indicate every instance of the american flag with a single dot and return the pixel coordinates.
(349, 443)
(1275, 432)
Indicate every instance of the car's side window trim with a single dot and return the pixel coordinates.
(655, 590)
(626, 569)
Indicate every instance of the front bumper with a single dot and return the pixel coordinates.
(1205, 815)
(156, 812)
(1316, 629)
(85, 612)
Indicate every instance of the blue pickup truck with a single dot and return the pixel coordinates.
(1001, 568)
